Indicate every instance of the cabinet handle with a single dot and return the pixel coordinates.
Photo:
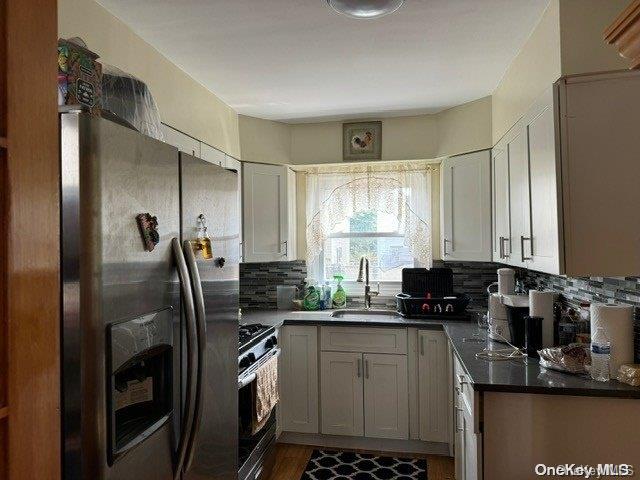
(286, 249)
(359, 367)
(462, 382)
(501, 247)
(522, 240)
(422, 346)
(444, 247)
(366, 369)
(503, 252)
(458, 428)
(241, 253)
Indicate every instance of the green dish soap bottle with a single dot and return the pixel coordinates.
(339, 299)
(311, 299)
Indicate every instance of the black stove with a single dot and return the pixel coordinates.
(249, 335)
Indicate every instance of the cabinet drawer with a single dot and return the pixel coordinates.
(461, 380)
(364, 339)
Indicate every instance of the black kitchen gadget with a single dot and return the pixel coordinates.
(428, 294)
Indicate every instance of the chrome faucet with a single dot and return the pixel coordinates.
(364, 272)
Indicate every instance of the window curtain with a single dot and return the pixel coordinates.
(402, 189)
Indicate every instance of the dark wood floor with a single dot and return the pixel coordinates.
(291, 461)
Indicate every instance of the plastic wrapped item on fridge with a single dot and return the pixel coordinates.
(128, 98)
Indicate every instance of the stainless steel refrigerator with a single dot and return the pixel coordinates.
(150, 340)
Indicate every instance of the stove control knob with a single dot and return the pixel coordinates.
(271, 342)
(252, 358)
(245, 362)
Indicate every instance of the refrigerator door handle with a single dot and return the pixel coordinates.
(190, 315)
(198, 296)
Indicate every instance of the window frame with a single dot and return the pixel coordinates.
(387, 288)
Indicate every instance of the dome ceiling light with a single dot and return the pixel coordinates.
(365, 8)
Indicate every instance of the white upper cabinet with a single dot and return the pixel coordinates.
(231, 163)
(519, 205)
(181, 141)
(267, 213)
(500, 201)
(466, 207)
(542, 246)
(524, 192)
(212, 155)
(600, 156)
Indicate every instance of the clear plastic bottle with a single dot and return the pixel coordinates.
(600, 356)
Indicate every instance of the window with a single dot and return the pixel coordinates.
(374, 235)
(381, 211)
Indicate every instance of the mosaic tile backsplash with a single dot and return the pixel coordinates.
(258, 281)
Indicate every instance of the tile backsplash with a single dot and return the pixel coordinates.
(258, 281)
(472, 278)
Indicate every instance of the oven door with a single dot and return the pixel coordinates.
(256, 450)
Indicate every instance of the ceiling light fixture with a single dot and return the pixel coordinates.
(365, 8)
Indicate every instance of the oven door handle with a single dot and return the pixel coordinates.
(250, 376)
(201, 334)
(192, 359)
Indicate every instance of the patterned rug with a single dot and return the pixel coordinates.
(325, 465)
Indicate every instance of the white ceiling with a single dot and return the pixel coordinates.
(298, 60)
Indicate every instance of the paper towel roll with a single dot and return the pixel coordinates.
(541, 305)
(617, 322)
(506, 281)
(496, 308)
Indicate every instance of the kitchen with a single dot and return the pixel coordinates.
(376, 244)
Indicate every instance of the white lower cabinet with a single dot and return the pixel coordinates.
(364, 394)
(468, 439)
(342, 393)
(433, 386)
(299, 378)
(386, 396)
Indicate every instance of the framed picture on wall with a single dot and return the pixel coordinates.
(362, 141)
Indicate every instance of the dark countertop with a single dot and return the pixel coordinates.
(511, 376)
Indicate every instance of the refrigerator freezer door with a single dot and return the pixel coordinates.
(211, 191)
(111, 174)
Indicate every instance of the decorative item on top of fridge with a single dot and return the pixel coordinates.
(79, 76)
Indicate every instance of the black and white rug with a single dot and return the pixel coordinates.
(325, 465)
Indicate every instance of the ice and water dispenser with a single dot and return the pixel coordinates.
(140, 379)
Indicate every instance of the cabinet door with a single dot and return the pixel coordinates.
(542, 247)
(501, 227)
(212, 155)
(291, 247)
(466, 207)
(472, 462)
(433, 386)
(299, 378)
(341, 380)
(519, 218)
(265, 214)
(459, 447)
(231, 163)
(181, 141)
(386, 396)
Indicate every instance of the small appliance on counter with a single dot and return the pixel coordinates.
(517, 309)
(429, 294)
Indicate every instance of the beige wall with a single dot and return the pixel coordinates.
(184, 103)
(403, 138)
(582, 23)
(536, 66)
(457, 130)
(464, 128)
(264, 141)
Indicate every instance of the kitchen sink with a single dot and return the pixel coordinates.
(362, 312)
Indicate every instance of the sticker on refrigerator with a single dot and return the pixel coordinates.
(136, 392)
